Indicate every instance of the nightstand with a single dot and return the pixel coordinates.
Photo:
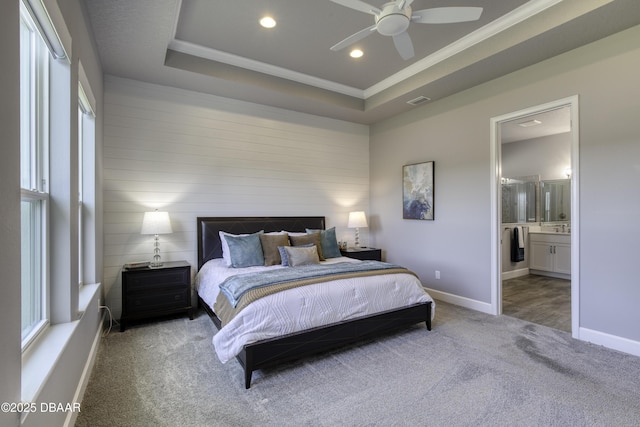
(363, 253)
(158, 291)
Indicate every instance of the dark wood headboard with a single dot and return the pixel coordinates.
(209, 245)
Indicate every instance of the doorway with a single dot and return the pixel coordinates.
(533, 219)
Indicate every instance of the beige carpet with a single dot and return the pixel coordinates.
(472, 369)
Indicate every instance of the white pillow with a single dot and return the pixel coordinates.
(294, 233)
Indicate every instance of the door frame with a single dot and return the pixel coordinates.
(496, 216)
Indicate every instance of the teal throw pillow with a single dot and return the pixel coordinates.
(328, 242)
(245, 251)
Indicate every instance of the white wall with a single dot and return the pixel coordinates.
(62, 382)
(455, 133)
(547, 156)
(10, 209)
(196, 155)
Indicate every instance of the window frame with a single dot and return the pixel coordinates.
(86, 146)
(34, 177)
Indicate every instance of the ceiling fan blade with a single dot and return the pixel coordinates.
(359, 5)
(446, 15)
(354, 38)
(404, 46)
(402, 4)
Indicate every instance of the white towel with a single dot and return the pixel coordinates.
(520, 237)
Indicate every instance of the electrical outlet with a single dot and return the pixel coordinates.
(437, 274)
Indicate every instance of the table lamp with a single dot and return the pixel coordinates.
(357, 219)
(156, 223)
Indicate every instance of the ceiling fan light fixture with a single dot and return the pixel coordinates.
(393, 21)
(267, 22)
(356, 53)
(394, 18)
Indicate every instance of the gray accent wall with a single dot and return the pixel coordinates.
(455, 133)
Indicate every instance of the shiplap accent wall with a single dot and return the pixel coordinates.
(193, 154)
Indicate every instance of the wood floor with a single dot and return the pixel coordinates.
(538, 299)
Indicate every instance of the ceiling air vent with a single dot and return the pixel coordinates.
(419, 100)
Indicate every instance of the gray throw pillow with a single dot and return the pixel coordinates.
(302, 255)
(283, 254)
(306, 239)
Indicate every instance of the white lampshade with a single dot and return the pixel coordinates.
(156, 223)
(357, 219)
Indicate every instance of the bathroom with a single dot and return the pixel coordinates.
(536, 200)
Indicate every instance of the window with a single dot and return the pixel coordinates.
(86, 140)
(34, 151)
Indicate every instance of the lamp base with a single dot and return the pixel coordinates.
(156, 261)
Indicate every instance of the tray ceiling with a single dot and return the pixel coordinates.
(219, 48)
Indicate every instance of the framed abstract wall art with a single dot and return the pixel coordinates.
(417, 191)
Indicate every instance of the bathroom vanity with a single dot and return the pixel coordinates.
(550, 254)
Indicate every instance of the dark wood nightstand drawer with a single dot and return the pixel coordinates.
(158, 301)
(152, 292)
(150, 279)
(363, 254)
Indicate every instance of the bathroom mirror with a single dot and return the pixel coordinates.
(555, 200)
(518, 201)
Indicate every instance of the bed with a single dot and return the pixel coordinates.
(329, 328)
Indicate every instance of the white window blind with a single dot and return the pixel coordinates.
(44, 24)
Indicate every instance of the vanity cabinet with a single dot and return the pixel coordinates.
(550, 253)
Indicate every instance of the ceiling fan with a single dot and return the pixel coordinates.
(393, 20)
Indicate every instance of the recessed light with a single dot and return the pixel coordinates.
(530, 123)
(267, 22)
(356, 53)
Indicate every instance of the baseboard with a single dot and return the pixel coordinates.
(86, 374)
(613, 342)
(506, 275)
(624, 345)
(461, 301)
(551, 274)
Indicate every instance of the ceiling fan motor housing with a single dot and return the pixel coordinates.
(393, 20)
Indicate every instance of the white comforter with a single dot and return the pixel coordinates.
(304, 307)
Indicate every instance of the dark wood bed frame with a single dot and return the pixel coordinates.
(300, 344)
